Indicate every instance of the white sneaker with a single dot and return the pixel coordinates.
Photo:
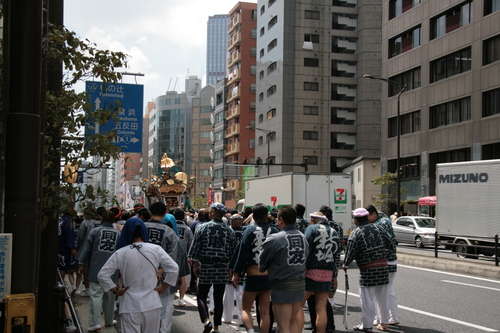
(181, 303)
(95, 328)
(77, 292)
(86, 293)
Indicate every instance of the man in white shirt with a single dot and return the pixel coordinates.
(140, 305)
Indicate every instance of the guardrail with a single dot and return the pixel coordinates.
(460, 245)
(465, 247)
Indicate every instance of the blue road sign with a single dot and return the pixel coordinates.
(129, 128)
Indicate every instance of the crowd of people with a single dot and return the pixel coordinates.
(274, 261)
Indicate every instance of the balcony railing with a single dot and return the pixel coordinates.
(233, 112)
(233, 130)
(235, 21)
(233, 148)
(234, 41)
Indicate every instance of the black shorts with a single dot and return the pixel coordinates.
(256, 283)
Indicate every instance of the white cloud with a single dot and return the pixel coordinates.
(165, 38)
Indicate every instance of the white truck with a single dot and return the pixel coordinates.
(467, 206)
(312, 190)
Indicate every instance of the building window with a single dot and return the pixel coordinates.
(262, 9)
(311, 62)
(252, 143)
(410, 123)
(410, 78)
(167, 102)
(261, 140)
(253, 88)
(491, 102)
(311, 14)
(311, 86)
(311, 160)
(310, 135)
(261, 53)
(491, 49)
(270, 3)
(254, 33)
(450, 113)
(451, 20)
(272, 22)
(252, 106)
(177, 101)
(491, 6)
(398, 7)
(261, 97)
(344, 3)
(254, 15)
(262, 31)
(253, 69)
(219, 116)
(272, 67)
(261, 75)
(405, 42)
(491, 151)
(311, 38)
(253, 51)
(271, 91)
(270, 114)
(450, 65)
(261, 118)
(272, 44)
(311, 110)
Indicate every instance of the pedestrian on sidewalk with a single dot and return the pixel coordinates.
(186, 237)
(138, 263)
(96, 250)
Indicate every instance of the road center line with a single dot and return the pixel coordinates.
(470, 285)
(482, 328)
(447, 273)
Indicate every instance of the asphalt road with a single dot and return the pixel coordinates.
(429, 301)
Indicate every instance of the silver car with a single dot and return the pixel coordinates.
(415, 229)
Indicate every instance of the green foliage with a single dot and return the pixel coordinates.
(199, 202)
(67, 113)
(388, 196)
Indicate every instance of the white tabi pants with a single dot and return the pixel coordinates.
(372, 299)
(141, 322)
(230, 295)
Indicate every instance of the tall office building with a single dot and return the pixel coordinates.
(216, 48)
(170, 125)
(200, 163)
(447, 55)
(311, 102)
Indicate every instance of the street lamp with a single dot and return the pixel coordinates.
(268, 138)
(401, 88)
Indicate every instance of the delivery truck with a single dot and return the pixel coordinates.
(312, 190)
(467, 206)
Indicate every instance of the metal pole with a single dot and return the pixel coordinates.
(398, 156)
(268, 150)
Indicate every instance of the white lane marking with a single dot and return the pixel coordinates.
(482, 328)
(470, 285)
(447, 273)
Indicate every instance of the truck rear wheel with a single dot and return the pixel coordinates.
(462, 249)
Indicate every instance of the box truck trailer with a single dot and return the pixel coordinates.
(467, 206)
(312, 190)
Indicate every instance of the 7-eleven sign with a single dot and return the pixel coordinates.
(340, 196)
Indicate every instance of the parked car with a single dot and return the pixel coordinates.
(415, 229)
